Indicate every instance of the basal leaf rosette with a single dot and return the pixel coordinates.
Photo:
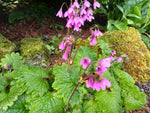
(48, 103)
(65, 83)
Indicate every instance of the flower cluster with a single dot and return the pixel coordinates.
(77, 14)
(66, 45)
(96, 85)
(95, 80)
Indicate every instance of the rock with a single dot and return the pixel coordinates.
(34, 52)
(6, 46)
(129, 43)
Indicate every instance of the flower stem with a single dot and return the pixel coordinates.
(72, 95)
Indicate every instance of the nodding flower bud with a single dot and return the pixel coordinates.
(62, 46)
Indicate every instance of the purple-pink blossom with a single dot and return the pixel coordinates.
(85, 62)
(96, 85)
(105, 62)
(104, 83)
(65, 56)
(96, 4)
(101, 69)
(62, 45)
(87, 3)
(93, 40)
(60, 13)
(119, 59)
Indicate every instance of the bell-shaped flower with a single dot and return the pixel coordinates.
(76, 4)
(60, 13)
(83, 11)
(85, 62)
(87, 3)
(65, 56)
(104, 83)
(106, 62)
(96, 4)
(101, 70)
(90, 82)
(62, 46)
(113, 53)
(96, 85)
(97, 33)
(93, 40)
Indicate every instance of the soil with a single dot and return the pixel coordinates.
(31, 28)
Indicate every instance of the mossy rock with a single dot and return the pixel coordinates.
(6, 46)
(129, 43)
(34, 52)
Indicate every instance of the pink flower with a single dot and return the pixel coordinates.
(65, 56)
(113, 52)
(89, 12)
(93, 41)
(60, 13)
(119, 59)
(104, 83)
(76, 4)
(62, 45)
(89, 83)
(90, 18)
(106, 62)
(97, 33)
(82, 11)
(85, 62)
(96, 4)
(87, 3)
(101, 70)
(96, 85)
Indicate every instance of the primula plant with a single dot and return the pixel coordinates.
(89, 83)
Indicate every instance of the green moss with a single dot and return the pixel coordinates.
(6, 46)
(34, 52)
(129, 43)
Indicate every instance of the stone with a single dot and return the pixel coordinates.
(34, 52)
(129, 43)
(6, 46)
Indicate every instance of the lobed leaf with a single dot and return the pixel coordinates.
(14, 59)
(33, 76)
(65, 83)
(132, 97)
(18, 106)
(48, 103)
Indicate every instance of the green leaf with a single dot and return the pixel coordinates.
(110, 26)
(109, 101)
(3, 82)
(48, 103)
(18, 106)
(84, 52)
(65, 83)
(133, 15)
(90, 106)
(132, 97)
(104, 47)
(120, 25)
(8, 97)
(124, 78)
(14, 59)
(120, 8)
(34, 78)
